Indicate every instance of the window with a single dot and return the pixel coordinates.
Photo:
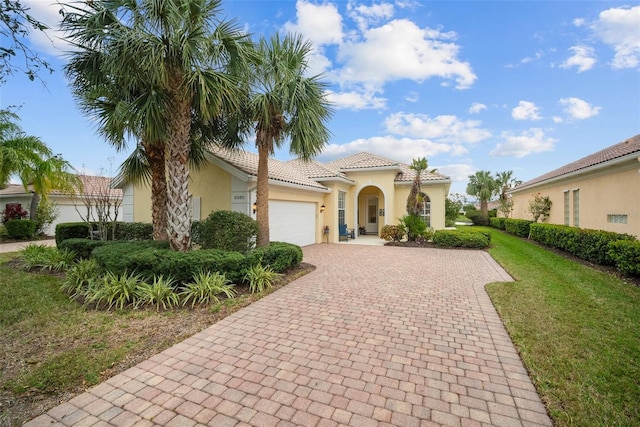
(341, 204)
(567, 208)
(617, 219)
(576, 208)
(426, 209)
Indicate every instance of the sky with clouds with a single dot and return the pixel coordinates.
(471, 85)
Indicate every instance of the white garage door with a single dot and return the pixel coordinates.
(292, 222)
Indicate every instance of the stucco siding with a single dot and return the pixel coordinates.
(612, 191)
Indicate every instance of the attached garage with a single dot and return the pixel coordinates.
(292, 222)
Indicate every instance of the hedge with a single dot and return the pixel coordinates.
(124, 231)
(626, 256)
(71, 230)
(20, 228)
(152, 258)
(519, 227)
(82, 247)
(461, 239)
(227, 230)
(590, 245)
(497, 222)
(133, 231)
(478, 217)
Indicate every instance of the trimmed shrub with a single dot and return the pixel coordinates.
(20, 228)
(71, 230)
(478, 217)
(227, 230)
(133, 231)
(460, 239)
(3, 232)
(519, 227)
(119, 257)
(280, 256)
(590, 245)
(497, 222)
(392, 233)
(82, 247)
(625, 254)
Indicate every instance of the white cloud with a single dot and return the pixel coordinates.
(578, 109)
(364, 16)
(579, 22)
(401, 50)
(477, 107)
(557, 119)
(443, 128)
(458, 172)
(412, 97)
(535, 57)
(52, 40)
(527, 142)
(356, 100)
(320, 23)
(619, 28)
(583, 57)
(401, 149)
(526, 111)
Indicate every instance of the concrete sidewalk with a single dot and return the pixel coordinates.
(376, 336)
(18, 246)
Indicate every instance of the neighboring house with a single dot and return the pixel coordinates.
(70, 209)
(600, 191)
(363, 190)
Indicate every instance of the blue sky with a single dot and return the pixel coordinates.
(526, 86)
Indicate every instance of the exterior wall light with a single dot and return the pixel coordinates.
(255, 207)
(322, 208)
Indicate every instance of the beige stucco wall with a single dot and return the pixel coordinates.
(611, 191)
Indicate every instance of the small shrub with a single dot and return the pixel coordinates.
(518, 227)
(414, 226)
(478, 217)
(46, 258)
(46, 213)
(205, 289)
(82, 247)
(70, 230)
(261, 278)
(159, 293)
(4, 234)
(497, 222)
(280, 256)
(79, 278)
(227, 230)
(460, 239)
(13, 211)
(130, 231)
(20, 228)
(392, 233)
(626, 256)
(115, 290)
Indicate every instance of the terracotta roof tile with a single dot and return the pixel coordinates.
(92, 185)
(621, 149)
(316, 170)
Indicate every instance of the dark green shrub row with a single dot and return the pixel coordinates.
(133, 231)
(20, 228)
(497, 223)
(124, 231)
(625, 254)
(461, 239)
(150, 258)
(590, 245)
(478, 217)
(82, 247)
(519, 227)
(71, 230)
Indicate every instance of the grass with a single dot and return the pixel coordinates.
(577, 331)
(52, 347)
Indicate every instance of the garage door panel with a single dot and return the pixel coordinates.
(292, 222)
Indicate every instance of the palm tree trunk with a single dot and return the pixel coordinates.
(262, 195)
(156, 156)
(178, 206)
(33, 207)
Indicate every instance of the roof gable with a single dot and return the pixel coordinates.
(602, 157)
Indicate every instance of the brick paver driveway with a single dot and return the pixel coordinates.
(375, 336)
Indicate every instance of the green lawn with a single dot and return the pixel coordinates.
(577, 330)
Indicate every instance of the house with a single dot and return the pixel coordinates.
(363, 191)
(70, 208)
(600, 191)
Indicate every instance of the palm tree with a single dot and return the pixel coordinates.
(483, 186)
(44, 175)
(416, 199)
(284, 104)
(505, 181)
(18, 151)
(172, 62)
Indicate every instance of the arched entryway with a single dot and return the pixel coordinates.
(370, 210)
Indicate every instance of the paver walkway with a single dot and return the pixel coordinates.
(376, 336)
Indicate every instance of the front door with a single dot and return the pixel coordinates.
(372, 215)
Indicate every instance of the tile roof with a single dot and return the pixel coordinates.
(278, 170)
(92, 185)
(621, 149)
(316, 170)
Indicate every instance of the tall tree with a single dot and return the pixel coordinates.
(284, 104)
(483, 186)
(505, 181)
(416, 199)
(172, 60)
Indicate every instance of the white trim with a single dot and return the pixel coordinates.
(373, 168)
(292, 185)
